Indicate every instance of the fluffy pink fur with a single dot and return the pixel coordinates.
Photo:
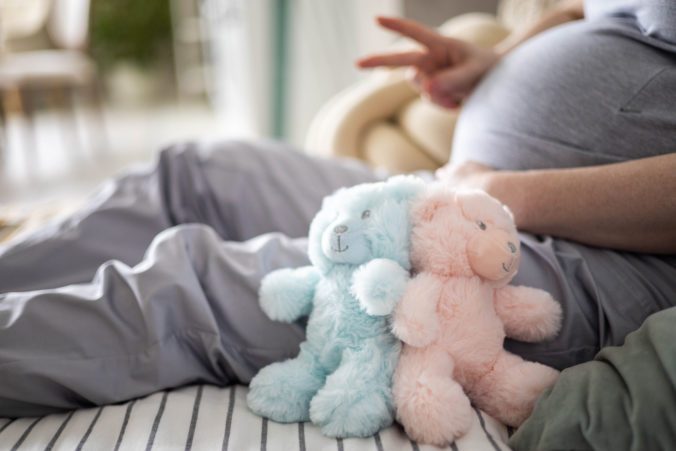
(455, 314)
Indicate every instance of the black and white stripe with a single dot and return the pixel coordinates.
(483, 426)
(127, 414)
(208, 417)
(228, 420)
(264, 434)
(193, 420)
(5, 425)
(89, 430)
(59, 431)
(156, 423)
(25, 434)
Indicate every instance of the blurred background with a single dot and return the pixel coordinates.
(89, 87)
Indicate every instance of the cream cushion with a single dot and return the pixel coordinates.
(385, 122)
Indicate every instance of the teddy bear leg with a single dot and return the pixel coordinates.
(282, 391)
(510, 391)
(432, 407)
(356, 400)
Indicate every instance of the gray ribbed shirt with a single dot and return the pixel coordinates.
(595, 91)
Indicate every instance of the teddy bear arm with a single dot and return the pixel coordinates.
(528, 314)
(415, 318)
(286, 294)
(378, 285)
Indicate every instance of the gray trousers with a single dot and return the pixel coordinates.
(153, 284)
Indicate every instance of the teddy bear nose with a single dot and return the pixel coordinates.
(340, 229)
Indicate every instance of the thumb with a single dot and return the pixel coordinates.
(456, 81)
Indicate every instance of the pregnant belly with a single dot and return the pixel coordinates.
(559, 101)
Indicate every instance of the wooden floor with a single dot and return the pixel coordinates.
(64, 158)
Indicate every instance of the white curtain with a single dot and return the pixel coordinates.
(326, 38)
(323, 38)
(239, 47)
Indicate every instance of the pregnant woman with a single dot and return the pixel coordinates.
(153, 284)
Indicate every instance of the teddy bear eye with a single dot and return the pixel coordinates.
(365, 214)
(481, 225)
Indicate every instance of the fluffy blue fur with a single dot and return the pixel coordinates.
(359, 249)
(286, 294)
(378, 285)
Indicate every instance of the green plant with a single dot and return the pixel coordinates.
(137, 31)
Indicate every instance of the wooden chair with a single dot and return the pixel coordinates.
(54, 73)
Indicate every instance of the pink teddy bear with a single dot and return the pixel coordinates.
(454, 316)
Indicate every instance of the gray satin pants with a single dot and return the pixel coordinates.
(153, 284)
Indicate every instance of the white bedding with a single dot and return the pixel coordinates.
(208, 418)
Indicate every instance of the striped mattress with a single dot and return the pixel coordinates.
(206, 417)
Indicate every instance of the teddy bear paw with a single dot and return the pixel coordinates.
(270, 403)
(415, 332)
(280, 394)
(435, 415)
(285, 294)
(378, 285)
(341, 414)
(440, 432)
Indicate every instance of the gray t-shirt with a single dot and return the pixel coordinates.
(655, 19)
(584, 93)
(596, 91)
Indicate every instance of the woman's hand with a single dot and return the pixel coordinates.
(445, 70)
(467, 175)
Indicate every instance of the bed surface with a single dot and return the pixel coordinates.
(202, 417)
(206, 417)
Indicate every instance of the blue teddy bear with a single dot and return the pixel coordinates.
(341, 380)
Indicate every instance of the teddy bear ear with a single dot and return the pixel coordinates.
(434, 199)
(428, 209)
(479, 204)
(404, 187)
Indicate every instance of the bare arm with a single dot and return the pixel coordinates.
(628, 206)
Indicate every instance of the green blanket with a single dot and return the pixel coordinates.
(625, 399)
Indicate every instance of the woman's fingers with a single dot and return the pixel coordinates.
(393, 60)
(415, 77)
(454, 82)
(427, 37)
(432, 90)
(445, 71)
(439, 51)
(467, 174)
